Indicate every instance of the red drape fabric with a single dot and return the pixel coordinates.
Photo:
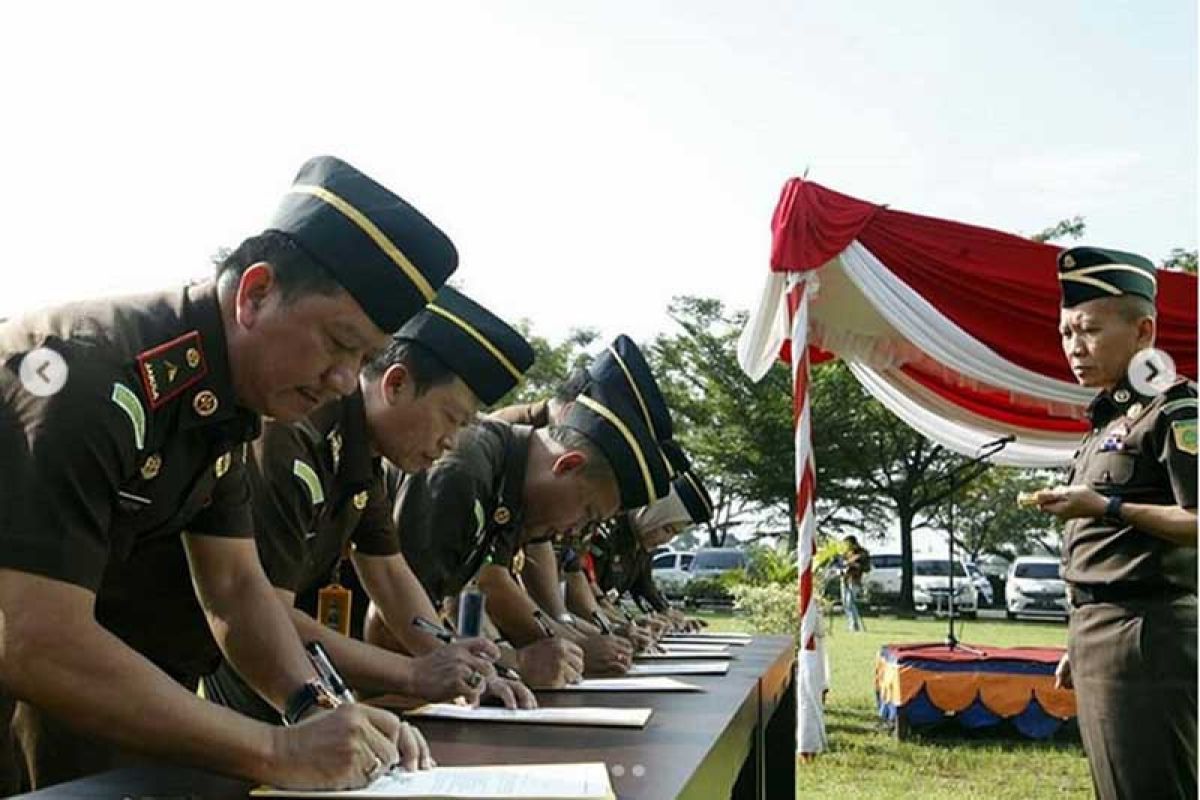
(1002, 289)
(997, 406)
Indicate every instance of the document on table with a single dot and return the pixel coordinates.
(682, 656)
(653, 684)
(696, 639)
(508, 782)
(604, 717)
(680, 668)
(684, 647)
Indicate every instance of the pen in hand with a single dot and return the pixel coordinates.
(446, 637)
(605, 628)
(540, 618)
(328, 673)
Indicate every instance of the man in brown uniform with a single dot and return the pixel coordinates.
(320, 500)
(504, 485)
(1129, 547)
(143, 437)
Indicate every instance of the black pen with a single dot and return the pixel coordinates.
(447, 637)
(540, 619)
(433, 630)
(605, 628)
(328, 672)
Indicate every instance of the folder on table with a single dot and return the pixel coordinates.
(602, 717)
(680, 668)
(507, 782)
(647, 684)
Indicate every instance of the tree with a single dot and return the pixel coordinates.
(738, 432)
(876, 466)
(552, 363)
(1072, 228)
(1181, 260)
(987, 519)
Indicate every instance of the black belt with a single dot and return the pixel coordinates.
(1122, 592)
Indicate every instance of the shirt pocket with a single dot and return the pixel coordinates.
(1112, 469)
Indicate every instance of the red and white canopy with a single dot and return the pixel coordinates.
(953, 327)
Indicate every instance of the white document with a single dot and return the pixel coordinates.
(627, 685)
(692, 638)
(684, 647)
(682, 656)
(680, 668)
(507, 782)
(605, 717)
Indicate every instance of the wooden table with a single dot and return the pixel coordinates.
(736, 739)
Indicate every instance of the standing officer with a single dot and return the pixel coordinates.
(144, 439)
(1129, 545)
(320, 500)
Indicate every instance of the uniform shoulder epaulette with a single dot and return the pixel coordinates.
(1180, 400)
(168, 369)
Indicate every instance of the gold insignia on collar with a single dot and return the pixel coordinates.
(1134, 411)
(360, 500)
(1069, 262)
(205, 403)
(222, 465)
(501, 515)
(192, 357)
(1121, 395)
(151, 466)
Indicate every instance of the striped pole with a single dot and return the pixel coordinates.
(810, 733)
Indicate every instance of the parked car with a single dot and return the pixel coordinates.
(932, 592)
(1035, 588)
(670, 571)
(983, 586)
(882, 583)
(704, 575)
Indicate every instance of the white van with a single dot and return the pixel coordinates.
(882, 583)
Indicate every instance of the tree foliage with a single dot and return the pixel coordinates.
(738, 433)
(1071, 228)
(552, 363)
(1181, 260)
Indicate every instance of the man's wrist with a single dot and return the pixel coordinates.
(1112, 510)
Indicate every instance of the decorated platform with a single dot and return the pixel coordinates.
(918, 685)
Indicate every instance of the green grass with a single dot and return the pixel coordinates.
(864, 760)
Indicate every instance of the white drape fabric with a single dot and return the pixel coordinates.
(876, 323)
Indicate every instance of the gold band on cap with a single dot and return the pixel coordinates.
(607, 414)
(479, 337)
(372, 230)
(699, 492)
(645, 409)
(1082, 275)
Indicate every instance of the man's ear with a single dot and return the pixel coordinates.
(393, 382)
(1146, 326)
(255, 285)
(569, 462)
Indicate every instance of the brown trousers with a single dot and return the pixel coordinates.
(1134, 669)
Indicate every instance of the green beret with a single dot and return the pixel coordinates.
(1089, 273)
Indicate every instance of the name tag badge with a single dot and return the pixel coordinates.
(333, 607)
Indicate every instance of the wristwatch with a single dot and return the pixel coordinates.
(311, 694)
(1112, 510)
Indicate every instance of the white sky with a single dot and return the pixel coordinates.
(590, 159)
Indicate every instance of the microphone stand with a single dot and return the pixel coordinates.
(956, 479)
